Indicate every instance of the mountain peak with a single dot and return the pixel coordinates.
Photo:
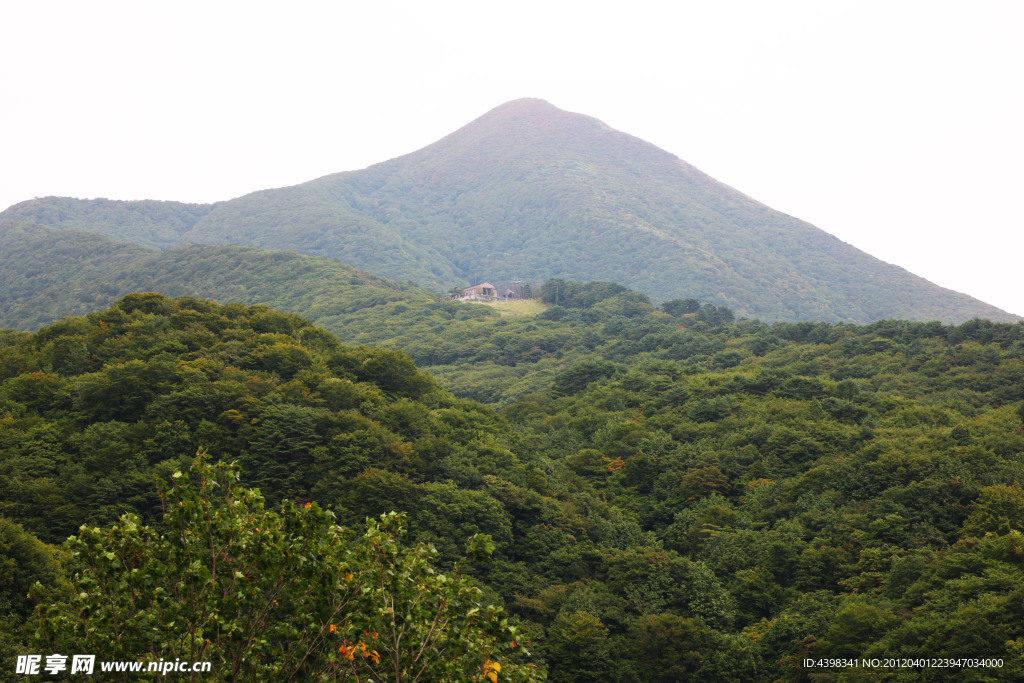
(525, 113)
(531, 131)
(524, 105)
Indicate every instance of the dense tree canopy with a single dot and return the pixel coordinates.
(670, 493)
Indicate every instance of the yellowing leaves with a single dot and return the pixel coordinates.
(349, 651)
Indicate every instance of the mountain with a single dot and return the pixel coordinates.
(531, 191)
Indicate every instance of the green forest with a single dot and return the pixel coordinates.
(608, 491)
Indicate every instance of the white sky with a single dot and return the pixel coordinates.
(896, 126)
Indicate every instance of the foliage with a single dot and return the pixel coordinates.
(283, 595)
(24, 562)
(672, 494)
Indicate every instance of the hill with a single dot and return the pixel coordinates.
(531, 191)
(51, 273)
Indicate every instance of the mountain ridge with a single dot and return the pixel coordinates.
(529, 190)
(95, 270)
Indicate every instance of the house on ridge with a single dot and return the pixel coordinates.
(484, 291)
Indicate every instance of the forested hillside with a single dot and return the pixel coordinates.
(52, 273)
(671, 493)
(534, 192)
(145, 223)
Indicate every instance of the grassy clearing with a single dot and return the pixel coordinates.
(521, 307)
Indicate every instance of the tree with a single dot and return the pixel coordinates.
(24, 561)
(678, 307)
(576, 377)
(666, 647)
(284, 595)
(578, 648)
(999, 509)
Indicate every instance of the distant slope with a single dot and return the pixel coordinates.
(52, 273)
(531, 191)
(148, 223)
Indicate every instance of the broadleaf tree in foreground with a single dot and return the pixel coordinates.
(275, 595)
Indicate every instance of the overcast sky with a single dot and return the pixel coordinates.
(896, 126)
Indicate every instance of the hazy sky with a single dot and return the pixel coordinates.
(896, 126)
